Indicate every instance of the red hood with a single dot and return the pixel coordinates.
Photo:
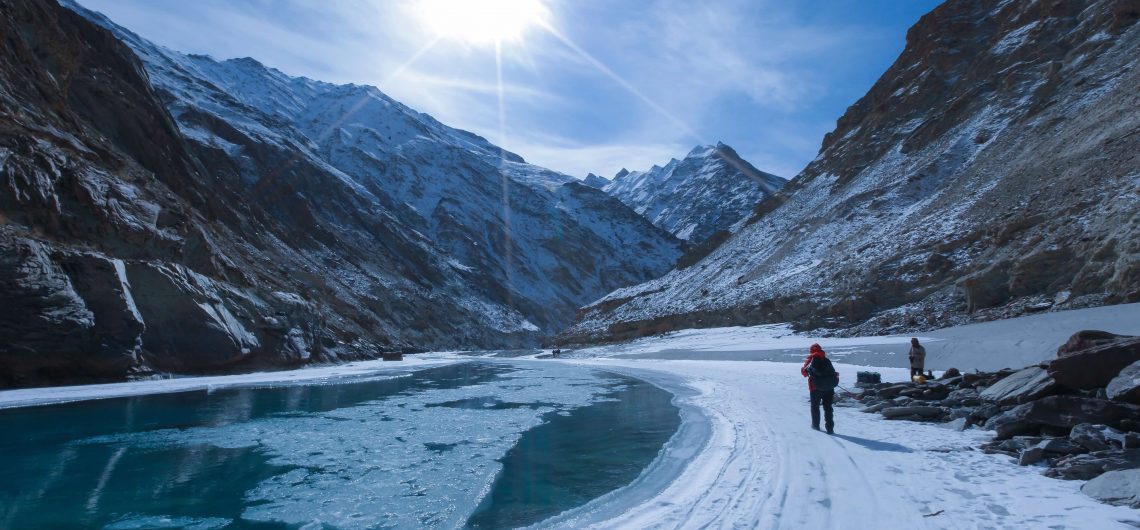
(816, 351)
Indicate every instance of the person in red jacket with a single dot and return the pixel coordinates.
(822, 380)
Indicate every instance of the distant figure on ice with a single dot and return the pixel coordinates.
(822, 380)
(917, 356)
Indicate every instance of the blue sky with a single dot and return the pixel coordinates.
(641, 81)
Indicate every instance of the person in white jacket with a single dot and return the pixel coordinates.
(917, 357)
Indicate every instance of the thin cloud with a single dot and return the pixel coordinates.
(765, 76)
(419, 80)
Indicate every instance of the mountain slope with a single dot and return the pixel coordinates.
(995, 161)
(187, 215)
(497, 217)
(708, 191)
(129, 249)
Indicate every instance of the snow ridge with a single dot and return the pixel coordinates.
(708, 191)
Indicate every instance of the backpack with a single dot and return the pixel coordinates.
(823, 374)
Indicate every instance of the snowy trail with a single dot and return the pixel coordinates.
(763, 466)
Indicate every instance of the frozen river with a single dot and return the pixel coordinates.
(468, 444)
(589, 440)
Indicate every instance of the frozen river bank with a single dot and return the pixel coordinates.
(462, 443)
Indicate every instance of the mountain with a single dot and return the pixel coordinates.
(993, 167)
(595, 181)
(519, 234)
(183, 214)
(706, 192)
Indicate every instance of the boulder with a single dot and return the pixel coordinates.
(920, 411)
(1125, 439)
(891, 391)
(1083, 340)
(1030, 456)
(971, 379)
(985, 412)
(1096, 437)
(999, 375)
(1120, 488)
(957, 424)
(963, 397)
(1063, 412)
(1027, 385)
(1087, 466)
(1126, 385)
(1132, 440)
(876, 407)
(1048, 447)
(949, 373)
(1012, 446)
(960, 412)
(935, 392)
(952, 381)
(1095, 367)
(913, 392)
(1060, 446)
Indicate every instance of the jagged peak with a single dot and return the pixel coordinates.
(247, 61)
(700, 151)
(596, 181)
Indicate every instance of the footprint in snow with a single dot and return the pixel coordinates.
(998, 510)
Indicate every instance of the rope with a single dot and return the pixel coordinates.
(850, 393)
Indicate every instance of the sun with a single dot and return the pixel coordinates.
(481, 21)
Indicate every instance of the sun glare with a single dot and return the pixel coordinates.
(482, 21)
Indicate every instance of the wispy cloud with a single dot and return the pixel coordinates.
(638, 81)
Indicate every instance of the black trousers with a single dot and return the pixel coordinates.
(824, 397)
(915, 370)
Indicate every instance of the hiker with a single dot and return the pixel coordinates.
(822, 380)
(917, 356)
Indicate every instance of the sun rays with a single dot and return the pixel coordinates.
(497, 24)
(481, 22)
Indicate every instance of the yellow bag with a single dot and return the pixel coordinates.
(920, 379)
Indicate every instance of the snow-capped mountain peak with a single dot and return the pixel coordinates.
(708, 191)
(595, 181)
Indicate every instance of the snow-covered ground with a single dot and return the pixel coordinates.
(1011, 343)
(763, 466)
(27, 397)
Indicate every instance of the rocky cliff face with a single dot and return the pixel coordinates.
(706, 192)
(994, 163)
(188, 215)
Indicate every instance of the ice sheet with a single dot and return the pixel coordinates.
(418, 459)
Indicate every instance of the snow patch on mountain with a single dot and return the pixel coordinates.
(708, 191)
